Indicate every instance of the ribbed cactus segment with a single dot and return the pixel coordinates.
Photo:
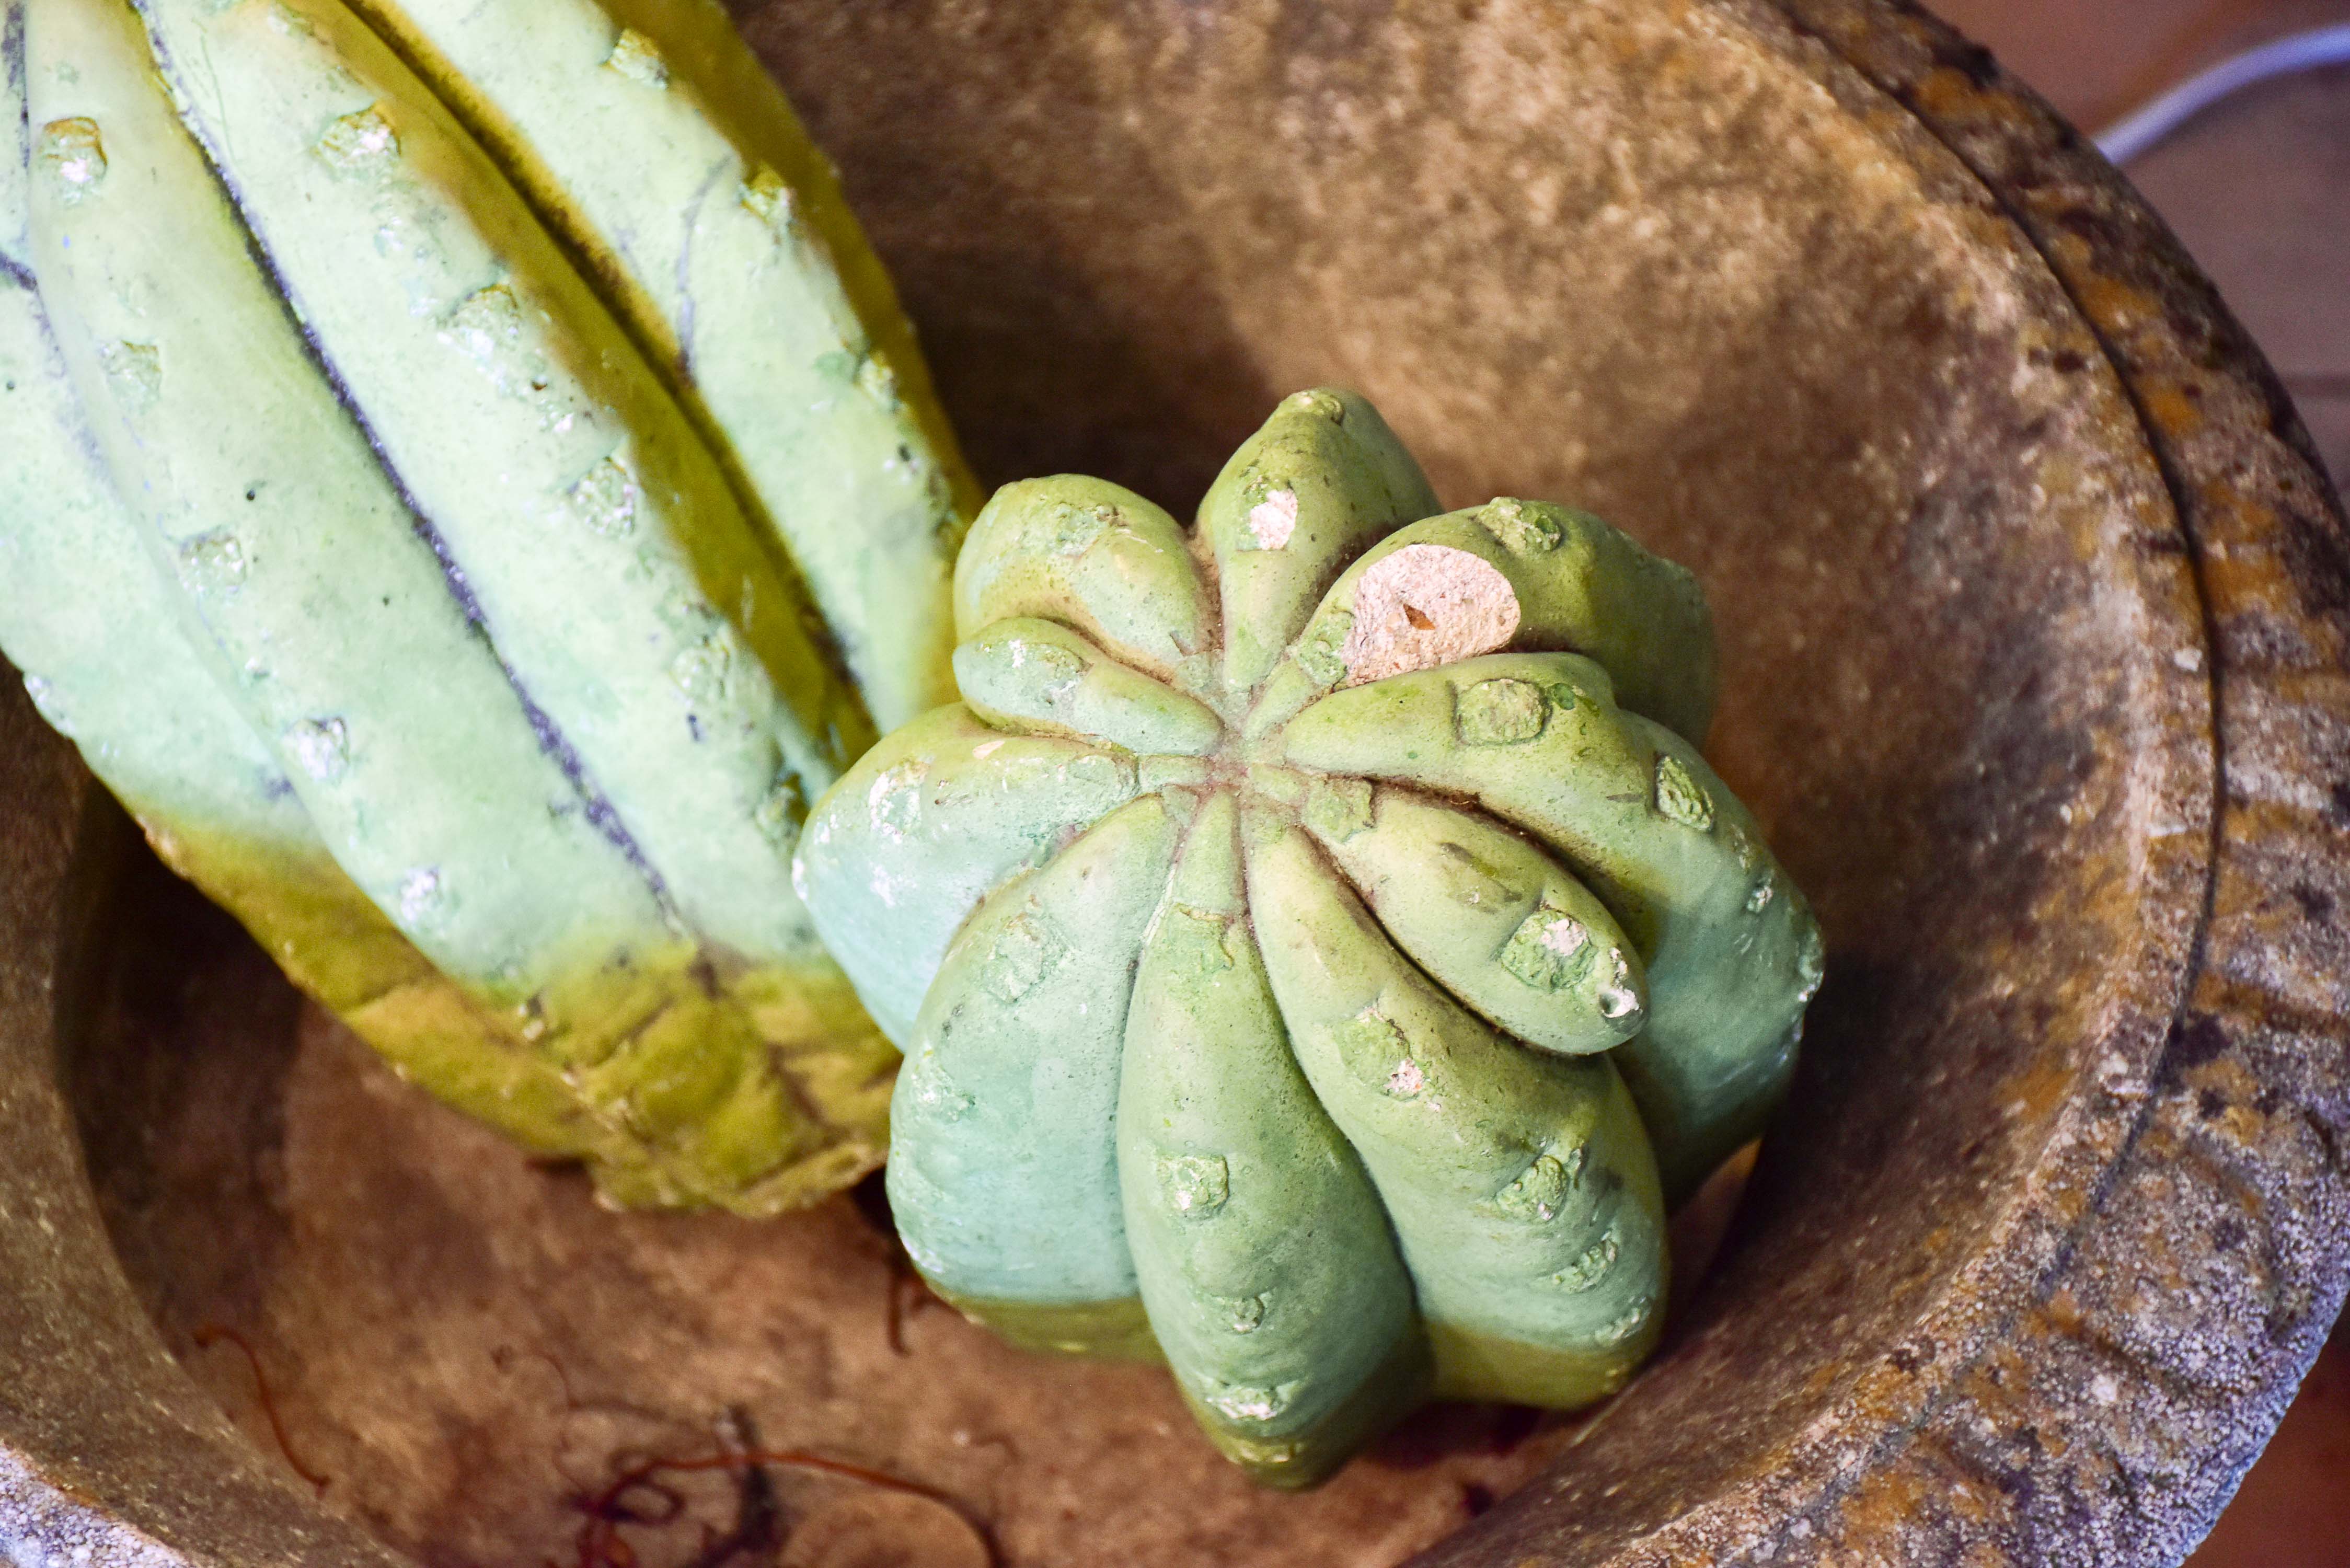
(1493, 919)
(927, 823)
(1732, 953)
(456, 634)
(1007, 1174)
(1264, 1253)
(650, 141)
(1302, 497)
(272, 531)
(600, 543)
(1467, 967)
(1097, 558)
(98, 635)
(1042, 679)
(1519, 1182)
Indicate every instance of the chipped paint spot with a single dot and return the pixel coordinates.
(213, 564)
(321, 747)
(1681, 797)
(1272, 520)
(1499, 712)
(1425, 606)
(637, 57)
(1524, 528)
(894, 799)
(134, 372)
(1023, 951)
(774, 203)
(1242, 1402)
(1321, 651)
(358, 143)
(1540, 1190)
(421, 894)
(1339, 808)
(1197, 1185)
(73, 156)
(781, 812)
(606, 499)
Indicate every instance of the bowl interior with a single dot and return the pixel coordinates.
(1662, 261)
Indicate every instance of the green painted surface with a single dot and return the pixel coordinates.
(1461, 972)
(1520, 1182)
(1041, 677)
(1106, 1330)
(1099, 559)
(1732, 953)
(436, 641)
(1487, 913)
(92, 626)
(1006, 1115)
(1264, 1253)
(283, 538)
(1322, 479)
(929, 823)
(610, 561)
(647, 136)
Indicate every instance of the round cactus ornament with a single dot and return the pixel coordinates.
(1321, 953)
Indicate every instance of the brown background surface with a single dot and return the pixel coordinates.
(2258, 189)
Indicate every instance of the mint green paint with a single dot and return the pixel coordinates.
(611, 560)
(1731, 951)
(201, 395)
(927, 824)
(1098, 558)
(650, 139)
(1520, 1183)
(1263, 1255)
(1582, 586)
(84, 614)
(96, 630)
(1450, 963)
(1302, 497)
(263, 594)
(1497, 921)
(1006, 1105)
(1040, 678)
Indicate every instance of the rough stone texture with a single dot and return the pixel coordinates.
(2032, 609)
(109, 1455)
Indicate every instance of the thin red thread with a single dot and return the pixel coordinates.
(210, 1333)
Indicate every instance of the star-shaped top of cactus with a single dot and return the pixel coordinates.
(1312, 937)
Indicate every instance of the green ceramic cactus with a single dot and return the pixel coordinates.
(444, 447)
(1321, 953)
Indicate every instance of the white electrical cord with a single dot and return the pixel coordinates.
(2141, 129)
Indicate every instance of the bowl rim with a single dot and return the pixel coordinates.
(105, 1443)
(2268, 553)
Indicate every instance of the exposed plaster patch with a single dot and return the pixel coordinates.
(1425, 606)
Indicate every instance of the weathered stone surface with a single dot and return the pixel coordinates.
(2034, 612)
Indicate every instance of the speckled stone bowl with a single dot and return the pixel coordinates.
(2033, 610)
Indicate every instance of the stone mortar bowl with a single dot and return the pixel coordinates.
(2034, 605)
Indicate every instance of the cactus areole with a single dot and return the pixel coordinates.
(1321, 953)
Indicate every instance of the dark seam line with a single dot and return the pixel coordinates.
(12, 63)
(551, 739)
(674, 375)
(2197, 964)
(686, 311)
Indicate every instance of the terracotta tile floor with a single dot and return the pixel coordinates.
(2258, 189)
